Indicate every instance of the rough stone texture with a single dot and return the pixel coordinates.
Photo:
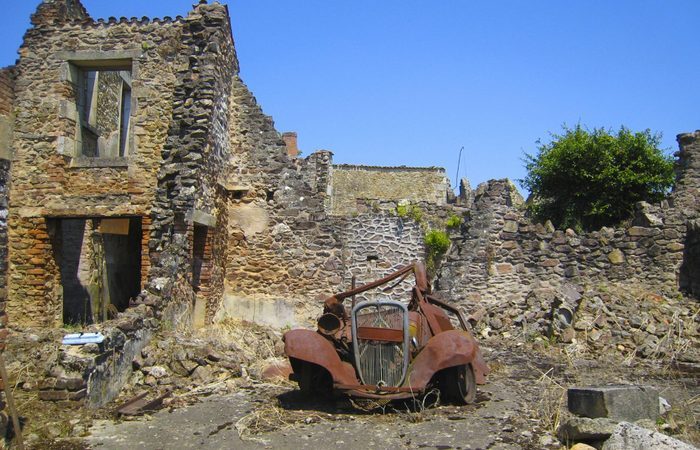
(687, 190)
(352, 185)
(283, 245)
(499, 233)
(172, 180)
(7, 98)
(195, 157)
(576, 429)
(627, 436)
(47, 179)
(516, 270)
(630, 403)
(374, 245)
(202, 152)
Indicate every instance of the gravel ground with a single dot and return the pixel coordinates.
(519, 408)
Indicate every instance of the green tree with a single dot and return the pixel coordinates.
(588, 179)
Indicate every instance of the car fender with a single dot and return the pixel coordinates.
(309, 346)
(447, 349)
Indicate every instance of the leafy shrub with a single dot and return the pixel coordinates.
(588, 179)
(437, 242)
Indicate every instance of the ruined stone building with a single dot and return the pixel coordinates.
(142, 184)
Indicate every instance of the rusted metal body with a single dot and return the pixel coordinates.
(140, 404)
(388, 349)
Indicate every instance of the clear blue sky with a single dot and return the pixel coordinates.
(409, 82)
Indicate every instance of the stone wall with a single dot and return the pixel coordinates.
(522, 275)
(285, 251)
(196, 158)
(375, 245)
(502, 255)
(686, 196)
(50, 179)
(173, 180)
(354, 187)
(7, 97)
(282, 247)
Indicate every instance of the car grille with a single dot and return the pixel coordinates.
(381, 363)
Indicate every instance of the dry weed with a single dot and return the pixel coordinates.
(416, 411)
(272, 418)
(551, 404)
(255, 342)
(682, 420)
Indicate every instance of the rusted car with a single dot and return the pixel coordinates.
(388, 349)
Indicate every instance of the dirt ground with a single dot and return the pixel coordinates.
(520, 407)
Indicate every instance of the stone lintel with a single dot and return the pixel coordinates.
(95, 59)
(202, 218)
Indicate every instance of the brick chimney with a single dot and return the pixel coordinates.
(290, 140)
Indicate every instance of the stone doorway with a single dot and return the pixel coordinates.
(99, 261)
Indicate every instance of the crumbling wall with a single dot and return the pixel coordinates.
(285, 251)
(168, 182)
(196, 158)
(50, 177)
(503, 254)
(353, 187)
(7, 98)
(685, 200)
(281, 246)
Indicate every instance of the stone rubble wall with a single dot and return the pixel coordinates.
(182, 77)
(195, 156)
(375, 245)
(282, 247)
(7, 91)
(515, 274)
(47, 179)
(285, 252)
(352, 184)
(7, 99)
(503, 255)
(686, 196)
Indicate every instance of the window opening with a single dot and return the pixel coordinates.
(104, 106)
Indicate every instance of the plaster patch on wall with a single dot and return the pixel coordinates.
(276, 312)
(249, 218)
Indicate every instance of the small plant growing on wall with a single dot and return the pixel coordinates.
(412, 211)
(437, 242)
(402, 210)
(453, 222)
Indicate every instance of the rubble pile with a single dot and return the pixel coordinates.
(208, 360)
(614, 317)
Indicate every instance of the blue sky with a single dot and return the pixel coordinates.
(409, 82)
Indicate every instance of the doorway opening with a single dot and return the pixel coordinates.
(100, 266)
(689, 277)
